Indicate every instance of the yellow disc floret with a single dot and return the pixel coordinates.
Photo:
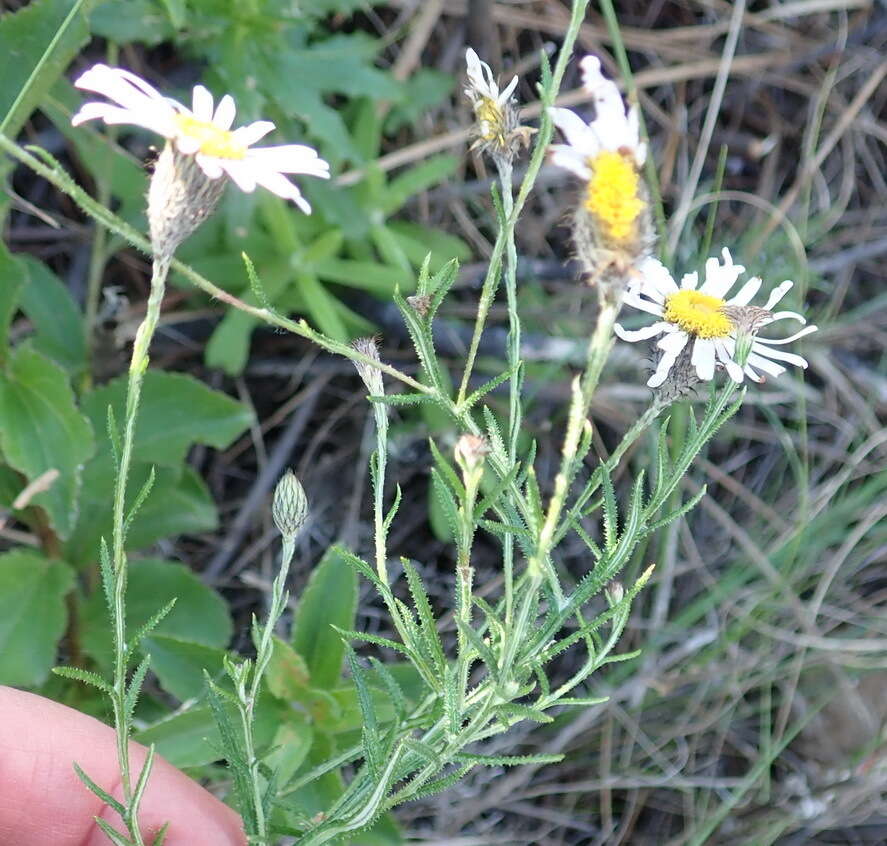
(698, 314)
(613, 195)
(215, 142)
(491, 120)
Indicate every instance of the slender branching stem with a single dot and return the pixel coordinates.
(138, 365)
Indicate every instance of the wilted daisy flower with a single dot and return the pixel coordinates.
(203, 132)
(702, 320)
(497, 127)
(607, 155)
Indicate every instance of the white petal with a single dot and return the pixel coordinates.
(778, 293)
(633, 335)
(805, 331)
(202, 104)
(673, 342)
(280, 185)
(785, 315)
(720, 278)
(734, 371)
(252, 132)
(289, 158)
(747, 292)
(124, 88)
(760, 350)
(242, 175)
(753, 375)
(656, 277)
(565, 156)
(662, 369)
(153, 119)
(633, 299)
(703, 359)
(765, 364)
(209, 165)
(225, 111)
(578, 134)
(187, 144)
(689, 281)
(505, 96)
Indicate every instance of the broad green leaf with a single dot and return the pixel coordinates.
(179, 664)
(36, 44)
(329, 599)
(287, 675)
(32, 615)
(125, 21)
(41, 429)
(179, 503)
(425, 89)
(191, 738)
(200, 615)
(293, 743)
(176, 412)
(56, 318)
(13, 276)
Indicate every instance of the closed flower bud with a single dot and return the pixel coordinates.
(290, 506)
(371, 376)
(470, 452)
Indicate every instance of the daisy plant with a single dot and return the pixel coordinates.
(495, 670)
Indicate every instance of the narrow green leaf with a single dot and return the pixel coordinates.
(106, 797)
(85, 676)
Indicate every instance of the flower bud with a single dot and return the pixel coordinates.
(470, 452)
(290, 506)
(371, 376)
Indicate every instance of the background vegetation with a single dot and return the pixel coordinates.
(755, 713)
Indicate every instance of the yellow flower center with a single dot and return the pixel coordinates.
(613, 195)
(698, 314)
(215, 142)
(490, 120)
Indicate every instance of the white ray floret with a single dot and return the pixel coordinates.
(482, 84)
(614, 128)
(697, 315)
(202, 131)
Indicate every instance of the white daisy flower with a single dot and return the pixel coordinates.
(614, 129)
(606, 153)
(701, 316)
(494, 110)
(202, 131)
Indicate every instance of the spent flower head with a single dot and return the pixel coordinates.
(612, 227)
(290, 506)
(202, 132)
(699, 319)
(496, 129)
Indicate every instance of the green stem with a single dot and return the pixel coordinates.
(514, 367)
(543, 137)
(138, 365)
(61, 180)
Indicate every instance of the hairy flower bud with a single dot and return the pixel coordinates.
(371, 376)
(290, 506)
(470, 452)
